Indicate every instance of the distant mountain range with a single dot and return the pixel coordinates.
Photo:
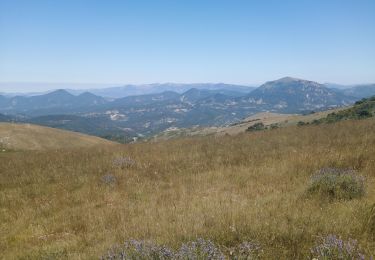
(135, 90)
(59, 101)
(188, 105)
(360, 91)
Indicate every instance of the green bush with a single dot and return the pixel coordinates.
(364, 113)
(335, 183)
(274, 126)
(256, 127)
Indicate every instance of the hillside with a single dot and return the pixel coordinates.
(268, 119)
(362, 109)
(78, 204)
(33, 137)
(291, 95)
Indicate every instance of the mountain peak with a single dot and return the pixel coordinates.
(290, 82)
(289, 79)
(59, 92)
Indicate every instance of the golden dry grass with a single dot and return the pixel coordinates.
(34, 137)
(228, 189)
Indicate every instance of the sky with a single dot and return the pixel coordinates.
(112, 42)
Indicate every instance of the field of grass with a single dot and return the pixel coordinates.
(34, 137)
(229, 189)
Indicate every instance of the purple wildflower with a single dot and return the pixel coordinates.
(123, 162)
(332, 247)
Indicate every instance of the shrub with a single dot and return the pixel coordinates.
(335, 183)
(364, 113)
(332, 247)
(316, 122)
(246, 251)
(274, 126)
(139, 250)
(256, 127)
(200, 249)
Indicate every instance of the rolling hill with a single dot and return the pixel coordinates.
(34, 137)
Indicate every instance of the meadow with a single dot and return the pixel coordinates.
(77, 203)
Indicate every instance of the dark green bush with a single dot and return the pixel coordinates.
(256, 127)
(274, 126)
(364, 113)
(335, 183)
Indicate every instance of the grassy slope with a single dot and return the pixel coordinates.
(266, 118)
(33, 137)
(364, 108)
(281, 120)
(229, 189)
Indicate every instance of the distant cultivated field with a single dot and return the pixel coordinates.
(249, 187)
(34, 137)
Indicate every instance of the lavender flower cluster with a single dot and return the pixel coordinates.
(332, 247)
(139, 250)
(123, 162)
(142, 250)
(109, 179)
(331, 171)
(337, 183)
(200, 249)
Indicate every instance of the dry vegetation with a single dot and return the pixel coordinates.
(248, 187)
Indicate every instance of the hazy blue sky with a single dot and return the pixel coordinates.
(246, 42)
